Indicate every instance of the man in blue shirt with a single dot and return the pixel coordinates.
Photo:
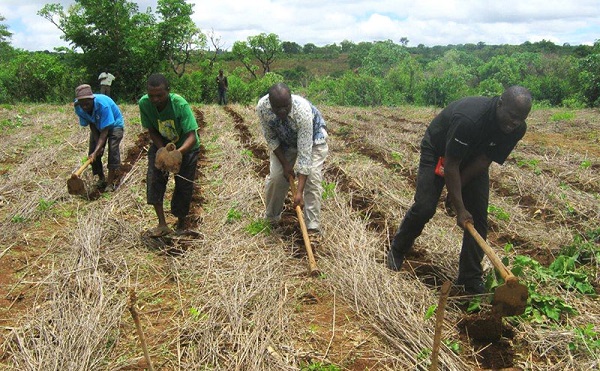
(106, 126)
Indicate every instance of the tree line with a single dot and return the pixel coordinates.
(115, 35)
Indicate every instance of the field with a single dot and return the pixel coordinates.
(74, 271)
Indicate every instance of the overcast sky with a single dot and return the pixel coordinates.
(428, 22)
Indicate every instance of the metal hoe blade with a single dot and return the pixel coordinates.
(76, 186)
(510, 298)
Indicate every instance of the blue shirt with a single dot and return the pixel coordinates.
(105, 114)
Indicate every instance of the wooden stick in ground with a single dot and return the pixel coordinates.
(138, 327)
(439, 324)
(312, 264)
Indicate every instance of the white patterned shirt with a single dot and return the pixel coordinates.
(303, 127)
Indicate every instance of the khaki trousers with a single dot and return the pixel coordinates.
(276, 187)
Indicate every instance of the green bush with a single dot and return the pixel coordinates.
(239, 91)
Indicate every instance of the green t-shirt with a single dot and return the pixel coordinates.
(173, 123)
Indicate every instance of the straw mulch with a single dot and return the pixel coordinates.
(228, 299)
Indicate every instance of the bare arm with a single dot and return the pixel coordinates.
(100, 142)
(189, 143)
(456, 179)
(155, 137)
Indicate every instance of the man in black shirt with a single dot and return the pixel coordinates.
(466, 136)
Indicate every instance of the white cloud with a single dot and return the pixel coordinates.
(428, 22)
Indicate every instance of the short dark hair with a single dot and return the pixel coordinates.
(158, 79)
(517, 95)
(279, 89)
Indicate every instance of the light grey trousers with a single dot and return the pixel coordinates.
(276, 187)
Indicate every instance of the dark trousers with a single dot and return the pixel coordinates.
(156, 183)
(222, 96)
(115, 135)
(105, 89)
(429, 188)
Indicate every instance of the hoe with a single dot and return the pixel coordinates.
(510, 298)
(75, 185)
(312, 264)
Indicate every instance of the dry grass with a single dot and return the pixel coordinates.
(239, 301)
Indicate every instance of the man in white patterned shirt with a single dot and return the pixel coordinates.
(295, 133)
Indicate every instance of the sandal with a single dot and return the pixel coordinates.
(159, 231)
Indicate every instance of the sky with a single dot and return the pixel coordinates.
(427, 22)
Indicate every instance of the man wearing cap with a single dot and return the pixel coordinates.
(102, 115)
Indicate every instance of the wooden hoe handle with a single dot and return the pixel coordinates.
(491, 254)
(77, 173)
(312, 264)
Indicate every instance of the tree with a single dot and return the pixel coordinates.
(179, 34)
(242, 52)
(358, 54)
(5, 34)
(382, 56)
(114, 35)
(401, 81)
(309, 48)
(589, 78)
(446, 80)
(217, 44)
(347, 46)
(290, 47)
(262, 47)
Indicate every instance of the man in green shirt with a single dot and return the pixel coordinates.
(169, 119)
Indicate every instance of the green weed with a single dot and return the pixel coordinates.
(17, 219)
(328, 190)
(344, 131)
(562, 273)
(424, 354)
(585, 164)
(396, 156)
(563, 116)
(197, 315)
(259, 226)
(318, 366)
(453, 345)
(430, 311)
(474, 305)
(247, 154)
(11, 123)
(531, 164)
(45, 205)
(586, 339)
(233, 215)
(499, 213)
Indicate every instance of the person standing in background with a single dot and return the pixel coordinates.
(106, 79)
(223, 86)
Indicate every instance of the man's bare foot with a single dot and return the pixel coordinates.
(159, 231)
